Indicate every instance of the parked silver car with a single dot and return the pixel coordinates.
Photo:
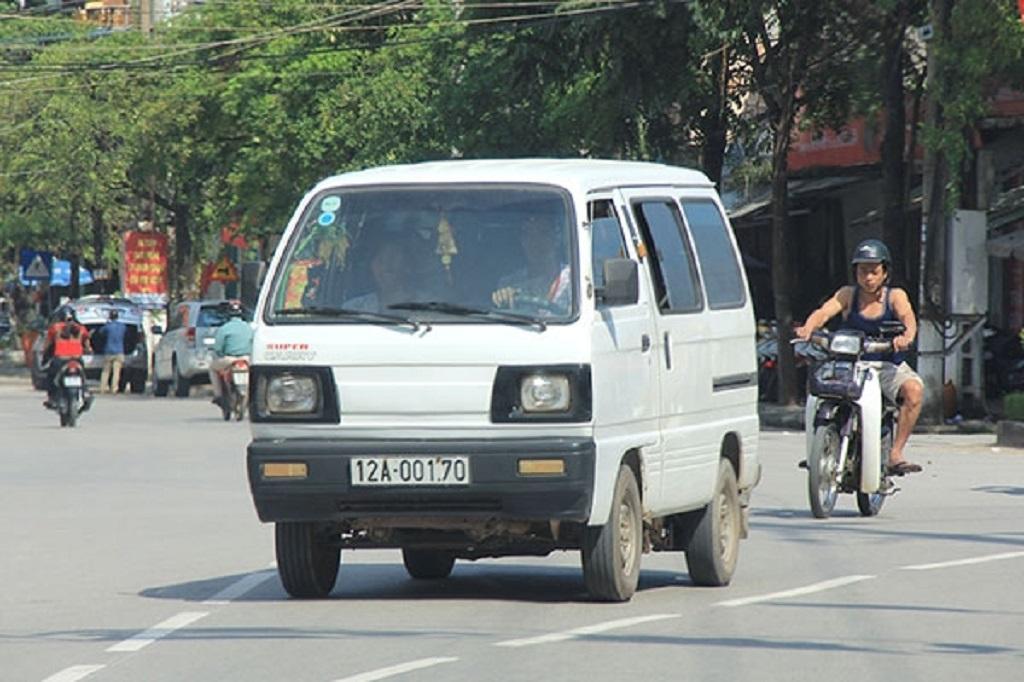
(182, 357)
(93, 312)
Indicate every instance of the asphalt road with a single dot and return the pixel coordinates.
(131, 551)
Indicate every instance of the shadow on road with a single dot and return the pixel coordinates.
(375, 582)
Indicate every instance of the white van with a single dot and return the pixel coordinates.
(468, 359)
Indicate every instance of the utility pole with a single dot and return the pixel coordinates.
(146, 17)
(932, 295)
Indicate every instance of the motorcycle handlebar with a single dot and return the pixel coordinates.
(821, 339)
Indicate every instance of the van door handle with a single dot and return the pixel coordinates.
(668, 351)
(645, 343)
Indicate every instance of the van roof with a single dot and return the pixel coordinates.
(583, 175)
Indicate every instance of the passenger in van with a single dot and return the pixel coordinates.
(390, 271)
(544, 278)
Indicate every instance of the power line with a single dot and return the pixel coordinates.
(242, 44)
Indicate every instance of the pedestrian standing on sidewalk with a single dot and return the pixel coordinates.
(113, 333)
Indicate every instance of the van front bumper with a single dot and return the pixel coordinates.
(496, 489)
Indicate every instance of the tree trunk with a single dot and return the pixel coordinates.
(76, 289)
(182, 250)
(98, 242)
(781, 275)
(714, 124)
(894, 143)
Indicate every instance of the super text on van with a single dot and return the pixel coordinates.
(470, 359)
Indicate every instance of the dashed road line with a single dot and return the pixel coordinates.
(799, 591)
(74, 673)
(587, 630)
(240, 587)
(399, 669)
(158, 631)
(964, 562)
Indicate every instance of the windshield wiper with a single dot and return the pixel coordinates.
(467, 311)
(362, 315)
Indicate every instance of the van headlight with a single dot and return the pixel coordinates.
(544, 393)
(302, 394)
(292, 394)
(845, 344)
(541, 393)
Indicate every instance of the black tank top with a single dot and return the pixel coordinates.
(872, 326)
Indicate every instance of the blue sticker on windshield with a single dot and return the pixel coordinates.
(326, 218)
(330, 204)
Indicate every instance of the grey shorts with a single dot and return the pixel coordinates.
(891, 377)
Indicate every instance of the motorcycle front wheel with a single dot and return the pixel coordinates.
(822, 477)
(870, 504)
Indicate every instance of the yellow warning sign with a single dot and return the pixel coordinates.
(225, 271)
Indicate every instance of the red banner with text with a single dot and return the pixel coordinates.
(144, 277)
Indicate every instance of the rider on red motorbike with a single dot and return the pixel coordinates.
(233, 342)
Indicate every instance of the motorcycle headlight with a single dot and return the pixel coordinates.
(845, 344)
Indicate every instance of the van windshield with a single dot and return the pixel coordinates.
(451, 253)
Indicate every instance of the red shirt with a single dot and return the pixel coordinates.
(66, 346)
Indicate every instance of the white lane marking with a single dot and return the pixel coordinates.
(136, 642)
(74, 673)
(240, 587)
(809, 589)
(587, 630)
(397, 669)
(964, 562)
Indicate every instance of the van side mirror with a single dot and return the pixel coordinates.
(621, 282)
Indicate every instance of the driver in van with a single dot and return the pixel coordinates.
(545, 275)
(865, 306)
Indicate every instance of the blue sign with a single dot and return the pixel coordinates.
(61, 276)
(35, 266)
(57, 271)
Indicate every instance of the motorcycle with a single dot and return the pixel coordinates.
(72, 396)
(850, 426)
(234, 381)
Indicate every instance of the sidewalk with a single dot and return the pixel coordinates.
(791, 418)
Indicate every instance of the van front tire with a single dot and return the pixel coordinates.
(714, 546)
(611, 553)
(306, 564)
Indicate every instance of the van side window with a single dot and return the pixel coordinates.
(606, 237)
(672, 267)
(716, 255)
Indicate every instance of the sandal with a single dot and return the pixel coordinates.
(902, 467)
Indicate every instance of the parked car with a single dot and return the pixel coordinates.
(182, 357)
(94, 312)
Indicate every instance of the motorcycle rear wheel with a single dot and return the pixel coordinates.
(822, 461)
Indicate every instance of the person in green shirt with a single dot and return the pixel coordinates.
(232, 342)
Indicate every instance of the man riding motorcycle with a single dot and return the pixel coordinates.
(66, 340)
(232, 342)
(865, 306)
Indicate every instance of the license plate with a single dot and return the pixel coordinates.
(73, 381)
(383, 471)
(240, 378)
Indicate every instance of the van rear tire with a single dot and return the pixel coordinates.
(611, 553)
(714, 547)
(307, 565)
